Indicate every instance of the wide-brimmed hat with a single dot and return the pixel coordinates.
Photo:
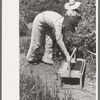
(72, 4)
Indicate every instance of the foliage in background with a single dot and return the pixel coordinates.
(85, 37)
(30, 8)
(24, 44)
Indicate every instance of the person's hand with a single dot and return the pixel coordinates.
(68, 58)
(75, 28)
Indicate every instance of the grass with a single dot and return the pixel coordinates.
(24, 44)
(33, 88)
(90, 60)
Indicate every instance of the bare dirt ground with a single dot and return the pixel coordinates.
(48, 72)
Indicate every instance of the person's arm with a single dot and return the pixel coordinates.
(59, 38)
(75, 20)
(63, 48)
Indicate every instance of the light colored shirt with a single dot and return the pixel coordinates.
(55, 20)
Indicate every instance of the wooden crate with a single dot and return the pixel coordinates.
(75, 73)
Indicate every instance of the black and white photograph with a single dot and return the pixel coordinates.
(57, 50)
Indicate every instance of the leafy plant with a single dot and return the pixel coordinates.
(84, 38)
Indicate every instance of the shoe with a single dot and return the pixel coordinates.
(49, 63)
(34, 61)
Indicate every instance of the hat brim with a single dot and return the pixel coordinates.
(75, 6)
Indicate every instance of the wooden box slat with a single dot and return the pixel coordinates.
(74, 73)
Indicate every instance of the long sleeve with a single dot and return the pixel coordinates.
(75, 20)
(70, 22)
(59, 38)
(58, 29)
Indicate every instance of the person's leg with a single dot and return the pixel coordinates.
(35, 40)
(47, 58)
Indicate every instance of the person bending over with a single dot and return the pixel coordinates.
(51, 20)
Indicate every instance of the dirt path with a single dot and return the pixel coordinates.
(48, 73)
